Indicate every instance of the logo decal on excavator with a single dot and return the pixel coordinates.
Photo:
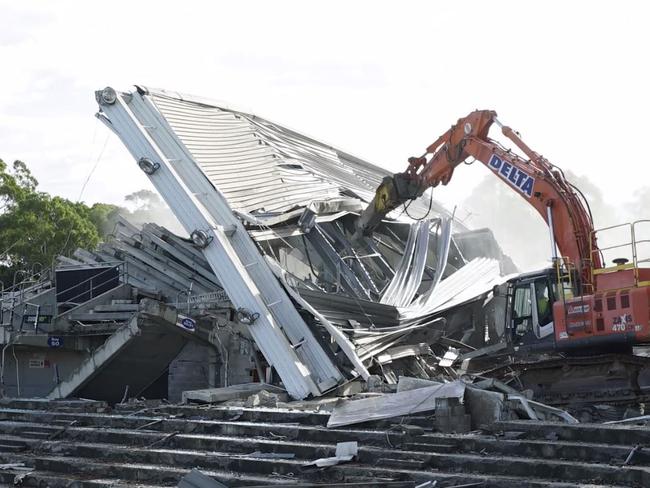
(622, 322)
(514, 176)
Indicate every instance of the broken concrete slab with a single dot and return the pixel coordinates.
(234, 392)
(485, 407)
(451, 416)
(376, 384)
(393, 405)
(196, 479)
(265, 399)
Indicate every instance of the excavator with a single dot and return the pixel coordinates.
(577, 307)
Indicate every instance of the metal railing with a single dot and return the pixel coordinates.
(565, 272)
(644, 261)
(635, 235)
(15, 302)
(30, 285)
(95, 282)
(628, 246)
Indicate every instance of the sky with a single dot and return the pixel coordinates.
(380, 80)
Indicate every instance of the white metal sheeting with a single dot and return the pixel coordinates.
(247, 169)
(408, 276)
(394, 405)
(472, 280)
(261, 166)
(338, 336)
(279, 331)
(424, 303)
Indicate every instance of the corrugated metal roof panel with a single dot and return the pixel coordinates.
(472, 280)
(260, 165)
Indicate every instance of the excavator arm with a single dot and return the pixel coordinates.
(535, 179)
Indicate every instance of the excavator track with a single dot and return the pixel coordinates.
(575, 380)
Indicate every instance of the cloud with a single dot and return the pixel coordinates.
(376, 79)
(14, 21)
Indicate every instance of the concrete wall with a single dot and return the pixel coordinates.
(37, 369)
(194, 368)
(238, 366)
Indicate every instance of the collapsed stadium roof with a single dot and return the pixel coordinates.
(273, 211)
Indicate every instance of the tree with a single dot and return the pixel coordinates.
(36, 227)
(103, 216)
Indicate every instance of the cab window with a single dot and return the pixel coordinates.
(542, 296)
(522, 310)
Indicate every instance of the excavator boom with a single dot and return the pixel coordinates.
(534, 178)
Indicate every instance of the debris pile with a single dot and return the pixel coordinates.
(277, 234)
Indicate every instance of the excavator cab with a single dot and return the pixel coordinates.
(530, 310)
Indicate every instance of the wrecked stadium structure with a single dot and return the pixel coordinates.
(269, 214)
(272, 211)
(272, 345)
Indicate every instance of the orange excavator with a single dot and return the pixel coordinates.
(578, 304)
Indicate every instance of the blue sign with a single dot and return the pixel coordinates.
(188, 324)
(55, 341)
(514, 176)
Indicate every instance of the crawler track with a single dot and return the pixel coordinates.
(573, 380)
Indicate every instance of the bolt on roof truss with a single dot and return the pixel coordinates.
(282, 336)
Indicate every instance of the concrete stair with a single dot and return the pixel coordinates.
(158, 445)
(130, 360)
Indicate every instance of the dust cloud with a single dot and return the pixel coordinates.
(145, 206)
(524, 236)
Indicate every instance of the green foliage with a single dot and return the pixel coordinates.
(35, 227)
(103, 216)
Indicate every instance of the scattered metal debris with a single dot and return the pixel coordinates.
(634, 450)
(393, 405)
(163, 439)
(345, 452)
(196, 479)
